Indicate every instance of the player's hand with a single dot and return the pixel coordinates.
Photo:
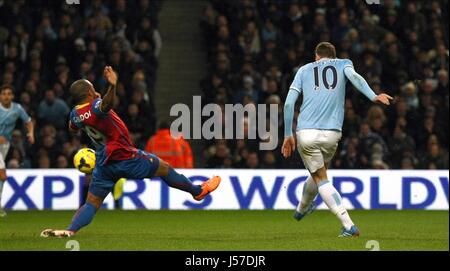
(384, 99)
(110, 75)
(3, 140)
(30, 137)
(288, 146)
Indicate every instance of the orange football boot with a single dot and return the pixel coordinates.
(207, 187)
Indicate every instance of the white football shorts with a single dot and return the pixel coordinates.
(317, 147)
(3, 152)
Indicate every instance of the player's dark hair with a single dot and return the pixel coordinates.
(326, 49)
(4, 87)
(79, 90)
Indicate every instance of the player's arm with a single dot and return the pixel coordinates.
(108, 100)
(30, 131)
(28, 124)
(72, 127)
(289, 106)
(361, 85)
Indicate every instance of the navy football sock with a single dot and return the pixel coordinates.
(176, 180)
(82, 217)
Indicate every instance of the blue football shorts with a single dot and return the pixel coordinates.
(104, 177)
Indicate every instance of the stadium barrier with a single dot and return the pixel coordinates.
(57, 189)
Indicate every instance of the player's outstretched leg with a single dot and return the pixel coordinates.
(307, 205)
(333, 200)
(179, 181)
(82, 217)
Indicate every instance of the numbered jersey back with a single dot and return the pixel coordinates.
(322, 84)
(106, 130)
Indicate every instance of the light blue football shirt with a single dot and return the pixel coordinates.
(8, 119)
(322, 84)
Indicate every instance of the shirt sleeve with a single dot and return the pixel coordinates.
(289, 111)
(96, 108)
(74, 121)
(297, 83)
(359, 82)
(23, 114)
(348, 64)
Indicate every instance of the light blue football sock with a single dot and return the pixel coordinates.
(333, 200)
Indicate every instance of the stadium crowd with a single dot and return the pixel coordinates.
(46, 45)
(254, 49)
(401, 47)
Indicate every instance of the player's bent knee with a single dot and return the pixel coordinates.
(163, 168)
(320, 174)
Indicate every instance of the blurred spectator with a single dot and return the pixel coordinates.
(409, 92)
(188, 157)
(377, 120)
(217, 153)
(13, 164)
(379, 164)
(348, 157)
(398, 143)
(252, 160)
(53, 110)
(44, 161)
(407, 163)
(435, 158)
(61, 161)
(137, 125)
(148, 32)
(367, 141)
(248, 89)
(269, 160)
(168, 148)
(19, 160)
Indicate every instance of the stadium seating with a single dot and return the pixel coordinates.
(255, 48)
(46, 45)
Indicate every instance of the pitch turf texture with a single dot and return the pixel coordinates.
(228, 230)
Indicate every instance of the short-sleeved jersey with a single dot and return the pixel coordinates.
(8, 118)
(322, 84)
(106, 130)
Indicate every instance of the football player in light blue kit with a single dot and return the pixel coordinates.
(9, 113)
(319, 126)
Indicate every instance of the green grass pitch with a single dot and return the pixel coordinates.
(228, 230)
